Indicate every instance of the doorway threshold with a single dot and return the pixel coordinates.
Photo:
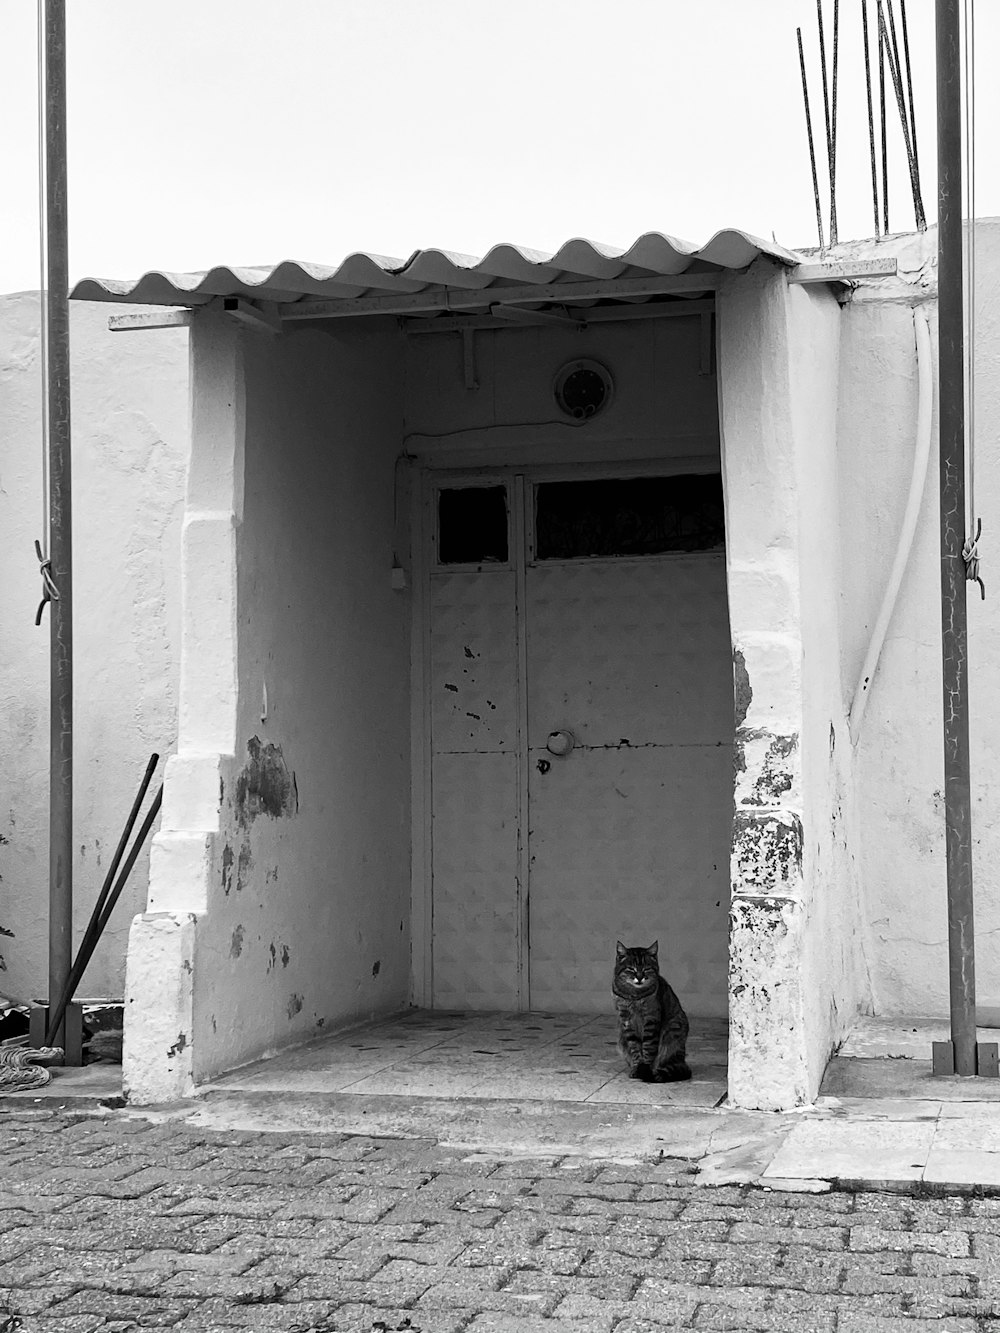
(439, 1054)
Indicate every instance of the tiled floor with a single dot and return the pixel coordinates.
(535, 1056)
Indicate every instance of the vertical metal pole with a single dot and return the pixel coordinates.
(60, 511)
(954, 642)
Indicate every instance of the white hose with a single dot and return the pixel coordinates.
(925, 403)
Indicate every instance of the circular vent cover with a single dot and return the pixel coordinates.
(583, 388)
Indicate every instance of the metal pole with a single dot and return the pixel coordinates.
(954, 643)
(60, 510)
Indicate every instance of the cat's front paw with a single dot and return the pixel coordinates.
(642, 1072)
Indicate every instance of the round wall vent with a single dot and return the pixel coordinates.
(583, 388)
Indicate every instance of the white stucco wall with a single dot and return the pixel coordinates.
(899, 754)
(795, 982)
(664, 401)
(130, 446)
(280, 880)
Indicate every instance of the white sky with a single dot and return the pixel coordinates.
(249, 131)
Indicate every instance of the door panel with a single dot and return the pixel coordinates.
(474, 767)
(630, 832)
(475, 891)
(628, 836)
(629, 844)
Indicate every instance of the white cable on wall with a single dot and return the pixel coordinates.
(925, 404)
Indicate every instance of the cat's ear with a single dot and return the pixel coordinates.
(622, 951)
(653, 948)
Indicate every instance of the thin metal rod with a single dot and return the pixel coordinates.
(826, 117)
(881, 99)
(43, 283)
(895, 69)
(954, 640)
(921, 217)
(833, 125)
(809, 133)
(84, 956)
(60, 508)
(92, 934)
(871, 114)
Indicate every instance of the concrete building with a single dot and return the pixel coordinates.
(130, 453)
(452, 717)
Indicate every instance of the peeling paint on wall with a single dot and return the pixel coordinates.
(742, 693)
(767, 851)
(265, 786)
(295, 1003)
(178, 1046)
(227, 869)
(244, 863)
(236, 947)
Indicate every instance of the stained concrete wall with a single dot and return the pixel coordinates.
(280, 879)
(130, 447)
(309, 910)
(899, 756)
(664, 401)
(795, 983)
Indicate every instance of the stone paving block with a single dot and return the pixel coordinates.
(824, 1238)
(489, 1321)
(362, 1318)
(448, 1295)
(954, 1243)
(864, 1323)
(759, 1319)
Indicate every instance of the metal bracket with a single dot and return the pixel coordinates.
(848, 270)
(150, 319)
(260, 317)
(987, 1058)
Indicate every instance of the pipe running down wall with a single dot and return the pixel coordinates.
(921, 457)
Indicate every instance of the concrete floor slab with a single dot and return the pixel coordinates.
(958, 1170)
(885, 1153)
(868, 1078)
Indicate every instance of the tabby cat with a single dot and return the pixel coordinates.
(652, 1026)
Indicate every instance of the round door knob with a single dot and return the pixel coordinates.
(560, 742)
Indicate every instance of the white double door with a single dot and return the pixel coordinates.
(540, 861)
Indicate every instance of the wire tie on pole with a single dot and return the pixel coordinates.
(50, 593)
(970, 554)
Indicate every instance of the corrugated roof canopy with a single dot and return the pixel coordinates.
(455, 281)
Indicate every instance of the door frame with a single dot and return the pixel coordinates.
(430, 475)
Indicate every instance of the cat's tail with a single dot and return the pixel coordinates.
(675, 1072)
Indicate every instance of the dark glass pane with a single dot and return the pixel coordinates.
(640, 516)
(472, 525)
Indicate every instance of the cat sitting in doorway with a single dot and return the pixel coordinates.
(652, 1025)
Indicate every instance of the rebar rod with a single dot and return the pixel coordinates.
(93, 932)
(919, 200)
(954, 639)
(895, 70)
(885, 145)
(84, 956)
(871, 114)
(833, 125)
(809, 133)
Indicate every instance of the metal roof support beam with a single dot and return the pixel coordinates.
(847, 270)
(598, 314)
(150, 319)
(450, 301)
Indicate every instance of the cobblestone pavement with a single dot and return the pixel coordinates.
(116, 1222)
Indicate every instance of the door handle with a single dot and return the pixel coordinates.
(560, 743)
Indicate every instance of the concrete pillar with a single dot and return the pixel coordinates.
(160, 1049)
(778, 417)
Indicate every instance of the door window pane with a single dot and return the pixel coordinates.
(638, 516)
(472, 525)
